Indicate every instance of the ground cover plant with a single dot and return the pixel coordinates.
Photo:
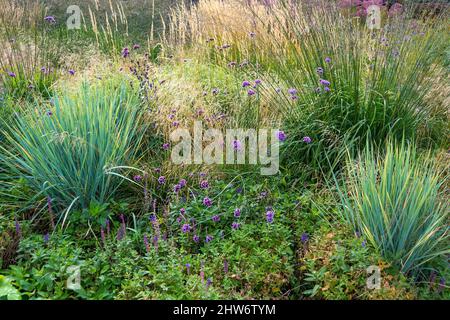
(357, 112)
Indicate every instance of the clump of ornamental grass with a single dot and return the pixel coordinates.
(394, 201)
(68, 151)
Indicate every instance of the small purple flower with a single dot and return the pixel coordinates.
(182, 183)
(152, 217)
(207, 202)
(208, 283)
(292, 91)
(11, 74)
(235, 225)
(237, 213)
(136, 46)
(258, 81)
(363, 244)
(441, 285)
(162, 180)
(72, 72)
(46, 238)
(175, 123)
(166, 146)
(196, 238)
(125, 52)
(186, 228)
(146, 244)
(102, 234)
(304, 238)
(327, 89)
(171, 116)
(306, 140)
(50, 19)
(245, 83)
(225, 266)
(204, 184)
(251, 92)
(182, 211)
(216, 218)
(269, 216)
(328, 60)
(208, 238)
(319, 70)
(237, 145)
(188, 268)
(281, 135)
(137, 178)
(324, 82)
(17, 226)
(176, 188)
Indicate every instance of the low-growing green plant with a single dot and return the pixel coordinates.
(67, 153)
(394, 201)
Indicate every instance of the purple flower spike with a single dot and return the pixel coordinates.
(162, 180)
(208, 238)
(237, 145)
(319, 70)
(185, 228)
(292, 91)
(46, 238)
(11, 74)
(235, 225)
(72, 72)
(125, 52)
(146, 244)
(207, 202)
(237, 213)
(325, 82)
(304, 238)
(328, 60)
(245, 84)
(251, 92)
(166, 146)
(204, 184)
(137, 178)
(216, 218)
(196, 238)
(182, 183)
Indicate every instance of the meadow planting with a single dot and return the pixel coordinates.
(239, 149)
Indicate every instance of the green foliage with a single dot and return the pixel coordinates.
(394, 201)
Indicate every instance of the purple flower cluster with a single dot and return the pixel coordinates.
(269, 216)
(207, 202)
